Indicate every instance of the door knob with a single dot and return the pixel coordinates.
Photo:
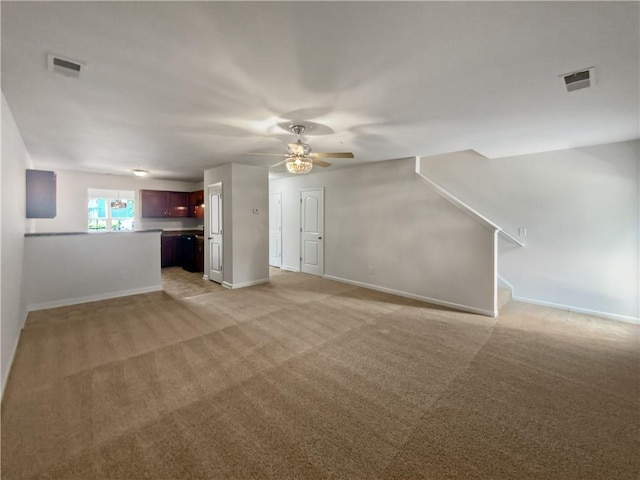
(319, 238)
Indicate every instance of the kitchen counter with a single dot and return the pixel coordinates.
(177, 233)
(57, 234)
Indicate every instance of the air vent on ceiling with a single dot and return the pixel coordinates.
(578, 80)
(65, 66)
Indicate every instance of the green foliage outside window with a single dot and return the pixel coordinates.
(103, 217)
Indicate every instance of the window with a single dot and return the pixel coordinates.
(111, 210)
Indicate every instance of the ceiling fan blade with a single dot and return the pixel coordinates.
(321, 163)
(277, 164)
(332, 154)
(267, 154)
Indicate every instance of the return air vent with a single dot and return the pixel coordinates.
(578, 80)
(64, 66)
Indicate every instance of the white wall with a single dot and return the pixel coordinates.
(581, 210)
(72, 188)
(245, 234)
(250, 213)
(15, 160)
(384, 228)
(95, 265)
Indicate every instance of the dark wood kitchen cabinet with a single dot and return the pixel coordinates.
(169, 252)
(178, 204)
(162, 204)
(199, 254)
(196, 204)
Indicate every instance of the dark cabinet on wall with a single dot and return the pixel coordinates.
(41, 194)
(162, 204)
(196, 204)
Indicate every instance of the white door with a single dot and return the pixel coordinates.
(312, 231)
(275, 229)
(215, 233)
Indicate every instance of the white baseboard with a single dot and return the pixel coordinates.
(13, 357)
(442, 303)
(245, 284)
(92, 298)
(205, 277)
(612, 316)
(290, 269)
(507, 284)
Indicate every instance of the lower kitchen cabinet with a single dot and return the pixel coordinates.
(200, 254)
(169, 252)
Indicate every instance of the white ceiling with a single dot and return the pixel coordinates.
(177, 87)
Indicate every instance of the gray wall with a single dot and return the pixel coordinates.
(245, 189)
(13, 310)
(128, 263)
(385, 229)
(250, 203)
(581, 210)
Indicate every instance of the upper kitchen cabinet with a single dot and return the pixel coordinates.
(196, 204)
(178, 204)
(162, 204)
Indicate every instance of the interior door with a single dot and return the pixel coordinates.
(312, 231)
(215, 232)
(275, 229)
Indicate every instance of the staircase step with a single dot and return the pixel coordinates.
(504, 297)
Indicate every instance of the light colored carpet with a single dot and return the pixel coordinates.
(308, 378)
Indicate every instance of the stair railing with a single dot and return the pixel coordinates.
(466, 208)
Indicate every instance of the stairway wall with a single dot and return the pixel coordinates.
(581, 210)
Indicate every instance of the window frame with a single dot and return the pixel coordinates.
(108, 196)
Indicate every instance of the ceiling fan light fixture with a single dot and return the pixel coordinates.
(299, 148)
(138, 172)
(299, 164)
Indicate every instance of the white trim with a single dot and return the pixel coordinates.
(93, 298)
(11, 360)
(245, 284)
(473, 213)
(322, 234)
(442, 303)
(507, 284)
(290, 269)
(205, 277)
(453, 199)
(612, 316)
(510, 237)
(495, 271)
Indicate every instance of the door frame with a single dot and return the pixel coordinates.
(279, 235)
(321, 231)
(215, 187)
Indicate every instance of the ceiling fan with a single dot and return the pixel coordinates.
(299, 158)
